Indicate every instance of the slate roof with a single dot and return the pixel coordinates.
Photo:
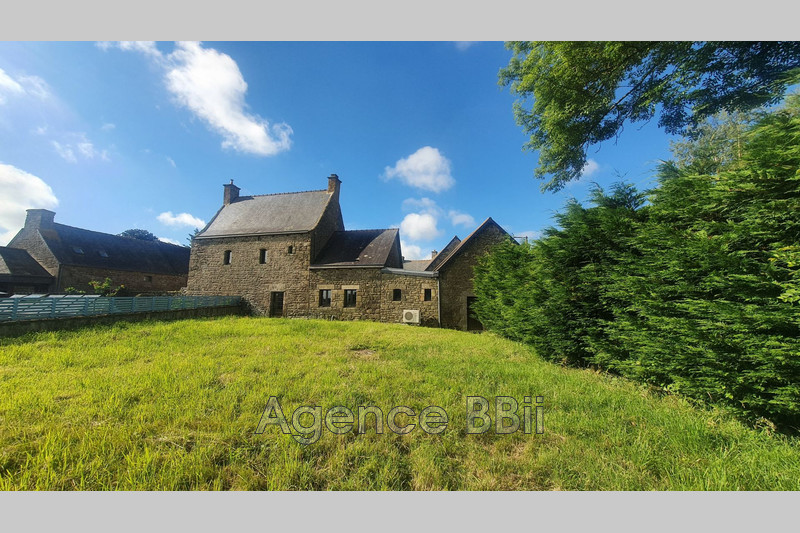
(434, 266)
(83, 247)
(294, 212)
(441, 256)
(416, 265)
(361, 248)
(18, 263)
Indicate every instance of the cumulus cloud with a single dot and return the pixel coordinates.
(425, 169)
(419, 227)
(20, 191)
(458, 218)
(411, 251)
(181, 219)
(210, 84)
(589, 168)
(422, 205)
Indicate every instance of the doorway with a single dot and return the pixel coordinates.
(276, 304)
(473, 324)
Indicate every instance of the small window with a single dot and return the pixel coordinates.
(77, 250)
(291, 249)
(350, 297)
(102, 253)
(262, 256)
(148, 278)
(397, 295)
(325, 298)
(428, 295)
(226, 258)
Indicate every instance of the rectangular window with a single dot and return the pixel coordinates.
(291, 250)
(148, 278)
(325, 298)
(350, 297)
(262, 256)
(397, 295)
(226, 258)
(428, 295)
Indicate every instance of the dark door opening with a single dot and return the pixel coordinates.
(276, 304)
(473, 324)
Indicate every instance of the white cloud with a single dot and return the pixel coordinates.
(589, 168)
(20, 191)
(167, 239)
(458, 218)
(411, 251)
(172, 162)
(422, 205)
(464, 45)
(181, 219)
(108, 126)
(210, 84)
(419, 227)
(79, 145)
(65, 152)
(23, 85)
(425, 169)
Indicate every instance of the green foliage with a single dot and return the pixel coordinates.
(174, 406)
(584, 92)
(73, 290)
(141, 234)
(697, 292)
(105, 288)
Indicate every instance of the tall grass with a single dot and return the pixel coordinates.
(175, 405)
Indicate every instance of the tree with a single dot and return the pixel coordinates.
(584, 92)
(192, 235)
(141, 234)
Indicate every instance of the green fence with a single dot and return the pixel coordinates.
(60, 306)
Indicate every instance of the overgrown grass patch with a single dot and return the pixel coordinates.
(174, 405)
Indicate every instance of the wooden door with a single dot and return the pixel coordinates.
(276, 304)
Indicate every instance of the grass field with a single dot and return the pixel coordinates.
(175, 405)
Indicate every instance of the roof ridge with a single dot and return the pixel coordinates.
(282, 193)
(157, 241)
(372, 229)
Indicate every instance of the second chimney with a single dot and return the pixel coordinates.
(434, 253)
(333, 184)
(230, 194)
(39, 218)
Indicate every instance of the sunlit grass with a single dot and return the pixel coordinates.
(174, 405)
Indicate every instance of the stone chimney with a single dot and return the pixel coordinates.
(231, 193)
(434, 253)
(333, 184)
(39, 218)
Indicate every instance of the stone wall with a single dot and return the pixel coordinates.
(367, 283)
(455, 278)
(246, 277)
(79, 277)
(29, 239)
(412, 294)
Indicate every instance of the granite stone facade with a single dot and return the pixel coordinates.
(292, 257)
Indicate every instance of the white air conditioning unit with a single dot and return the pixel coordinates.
(411, 316)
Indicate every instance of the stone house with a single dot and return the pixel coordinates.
(289, 255)
(21, 274)
(72, 257)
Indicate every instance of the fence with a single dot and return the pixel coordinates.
(60, 306)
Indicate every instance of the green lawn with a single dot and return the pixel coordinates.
(175, 405)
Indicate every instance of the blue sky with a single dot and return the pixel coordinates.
(115, 135)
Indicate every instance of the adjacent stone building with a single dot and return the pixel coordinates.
(72, 257)
(289, 255)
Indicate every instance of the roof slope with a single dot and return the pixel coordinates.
(441, 256)
(18, 262)
(463, 244)
(293, 212)
(83, 247)
(361, 248)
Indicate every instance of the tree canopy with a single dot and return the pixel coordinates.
(577, 94)
(141, 234)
